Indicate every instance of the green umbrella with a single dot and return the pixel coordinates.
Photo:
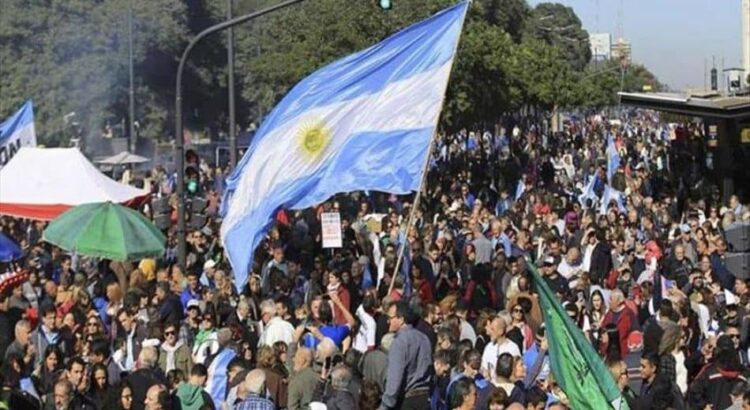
(106, 230)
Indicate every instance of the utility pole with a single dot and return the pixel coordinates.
(230, 87)
(179, 141)
(131, 96)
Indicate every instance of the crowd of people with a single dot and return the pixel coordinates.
(457, 326)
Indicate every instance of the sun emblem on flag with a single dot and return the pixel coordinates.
(314, 137)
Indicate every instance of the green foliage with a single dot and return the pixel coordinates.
(72, 56)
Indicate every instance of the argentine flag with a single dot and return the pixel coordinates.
(520, 189)
(610, 194)
(16, 132)
(364, 122)
(613, 157)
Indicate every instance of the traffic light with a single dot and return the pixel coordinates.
(192, 172)
(385, 4)
(161, 212)
(197, 207)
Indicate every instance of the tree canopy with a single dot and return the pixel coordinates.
(71, 56)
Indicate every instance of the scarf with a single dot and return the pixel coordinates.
(170, 354)
(333, 288)
(202, 336)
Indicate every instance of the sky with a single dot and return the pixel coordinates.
(672, 38)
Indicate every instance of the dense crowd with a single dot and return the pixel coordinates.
(458, 326)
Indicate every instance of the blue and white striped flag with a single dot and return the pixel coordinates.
(217, 382)
(613, 157)
(363, 122)
(520, 189)
(16, 132)
(588, 191)
(611, 194)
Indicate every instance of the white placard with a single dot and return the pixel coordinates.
(331, 227)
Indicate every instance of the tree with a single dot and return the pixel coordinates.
(559, 26)
(70, 56)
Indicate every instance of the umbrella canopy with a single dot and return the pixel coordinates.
(9, 250)
(106, 230)
(123, 158)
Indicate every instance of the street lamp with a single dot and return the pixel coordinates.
(131, 96)
(230, 87)
(179, 139)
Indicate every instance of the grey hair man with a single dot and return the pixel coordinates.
(275, 328)
(375, 362)
(255, 386)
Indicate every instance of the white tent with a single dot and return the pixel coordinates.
(123, 158)
(42, 183)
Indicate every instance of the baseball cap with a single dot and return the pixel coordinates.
(209, 264)
(685, 228)
(549, 261)
(194, 303)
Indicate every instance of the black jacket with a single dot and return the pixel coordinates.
(601, 263)
(712, 386)
(655, 396)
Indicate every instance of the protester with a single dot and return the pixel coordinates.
(644, 275)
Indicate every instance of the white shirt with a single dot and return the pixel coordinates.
(467, 332)
(277, 329)
(493, 350)
(365, 338)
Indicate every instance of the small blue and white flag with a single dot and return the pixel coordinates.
(588, 191)
(520, 189)
(364, 122)
(613, 157)
(610, 194)
(16, 132)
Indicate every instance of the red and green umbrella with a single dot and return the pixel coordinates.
(106, 230)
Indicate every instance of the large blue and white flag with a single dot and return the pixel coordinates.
(364, 122)
(610, 194)
(16, 132)
(613, 157)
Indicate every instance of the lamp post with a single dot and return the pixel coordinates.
(230, 87)
(179, 139)
(131, 92)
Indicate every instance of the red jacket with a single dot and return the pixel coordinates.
(425, 292)
(338, 315)
(626, 323)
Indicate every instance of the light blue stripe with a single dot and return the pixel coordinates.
(220, 379)
(20, 119)
(418, 48)
(389, 162)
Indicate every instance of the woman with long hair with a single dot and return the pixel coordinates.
(99, 391)
(519, 330)
(124, 397)
(609, 343)
(671, 358)
(596, 310)
(280, 350)
(275, 381)
(52, 364)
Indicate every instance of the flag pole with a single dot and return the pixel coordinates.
(412, 213)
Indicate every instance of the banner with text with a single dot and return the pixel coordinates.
(16, 132)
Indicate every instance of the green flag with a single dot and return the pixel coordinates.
(577, 367)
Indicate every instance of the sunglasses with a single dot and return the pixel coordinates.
(92, 324)
(169, 333)
(517, 310)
